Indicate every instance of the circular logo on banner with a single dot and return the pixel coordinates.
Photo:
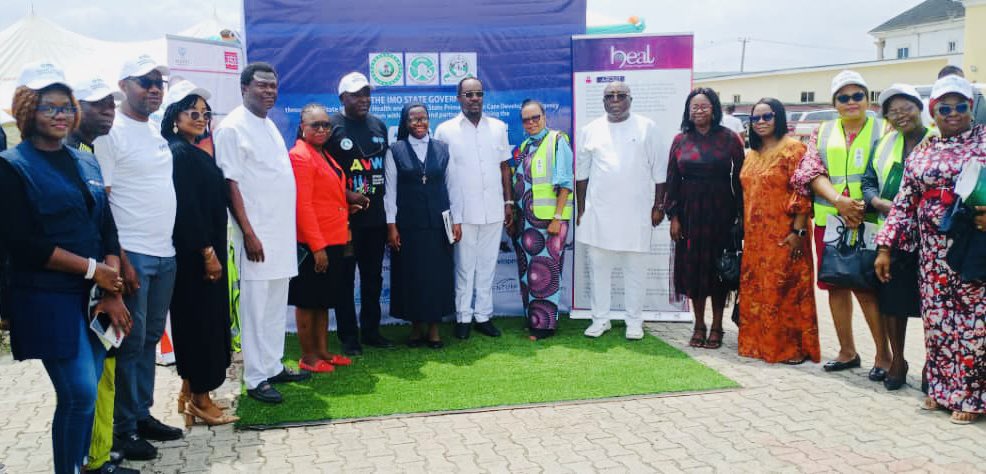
(386, 69)
(422, 70)
(346, 144)
(458, 68)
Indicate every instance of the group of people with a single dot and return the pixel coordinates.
(118, 218)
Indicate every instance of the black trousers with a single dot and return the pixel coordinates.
(368, 245)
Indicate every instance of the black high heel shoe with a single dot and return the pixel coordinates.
(892, 383)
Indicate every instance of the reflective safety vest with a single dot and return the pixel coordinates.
(890, 150)
(542, 170)
(845, 165)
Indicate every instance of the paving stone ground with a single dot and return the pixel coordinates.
(784, 419)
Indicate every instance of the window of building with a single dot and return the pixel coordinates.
(875, 96)
(903, 53)
(807, 97)
(736, 99)
(952, 46)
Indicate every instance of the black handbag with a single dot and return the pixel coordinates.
(728, 264)
(847, 264)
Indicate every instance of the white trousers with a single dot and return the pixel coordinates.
(475, 266)
(634, 265)
(263, 306)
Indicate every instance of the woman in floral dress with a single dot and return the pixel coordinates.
(954, 311)
(540, 240)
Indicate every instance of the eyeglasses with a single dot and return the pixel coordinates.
(472, 94)
(415, 120)
(700, 108)
(196, 115)
(531, 119)
(323, 125)
(857, 97)
(364, 92)
(767, 117)
(905, 110)
(614, 97)
(947, 109)
(51, 111)
(145, 82)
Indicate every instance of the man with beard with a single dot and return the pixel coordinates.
(254, 159)
(478, 152)
(97, 107)
(359, 144)
(620, 170)
(137, 166)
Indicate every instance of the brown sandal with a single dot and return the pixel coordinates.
(698, 338)
(714, 343)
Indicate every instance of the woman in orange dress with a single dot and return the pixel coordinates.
(778, 322)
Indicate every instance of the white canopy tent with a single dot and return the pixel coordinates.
(34, 38)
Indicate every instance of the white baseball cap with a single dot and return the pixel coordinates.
(141, 65)
(952, 84)
(180, 90)
(353, 82)
(40, 74)
(95, 90)
(901, 89)
(846, 78)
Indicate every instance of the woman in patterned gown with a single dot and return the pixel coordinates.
(954, 311)
(777, 301)
(540, 239)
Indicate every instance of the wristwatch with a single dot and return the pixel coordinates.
(799, 232)
(558, 217)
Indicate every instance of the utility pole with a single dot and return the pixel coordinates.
(743, 54)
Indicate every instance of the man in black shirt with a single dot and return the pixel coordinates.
(359, 144)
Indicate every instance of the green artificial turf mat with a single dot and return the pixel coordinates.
(482, 372)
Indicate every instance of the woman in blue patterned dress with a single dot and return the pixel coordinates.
(543, 184)
(953, 309)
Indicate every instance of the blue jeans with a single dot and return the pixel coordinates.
(136, 356)
(75, 390)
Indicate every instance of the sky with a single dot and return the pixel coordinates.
(782, 33)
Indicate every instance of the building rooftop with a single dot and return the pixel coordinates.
(928, 11)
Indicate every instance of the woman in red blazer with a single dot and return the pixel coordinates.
(323, 231)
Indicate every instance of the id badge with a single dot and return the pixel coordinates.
(859, 158)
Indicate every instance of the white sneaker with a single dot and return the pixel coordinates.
(598, 327)
(635, 333)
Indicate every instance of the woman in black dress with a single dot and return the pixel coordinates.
(422, 287)
(200, 326)
(703, 201)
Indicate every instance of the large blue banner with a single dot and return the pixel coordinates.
(419, 51)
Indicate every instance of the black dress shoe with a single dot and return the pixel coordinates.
(893, 383)
(265, 393)
(462, 330)
(877, 374)
(134, 448)
(352, 349)
(436, 344)
(488, 329)
(415, 342)
(835, 366)
(290, 376)
(378, 341)
(110, 468)
(154, 430)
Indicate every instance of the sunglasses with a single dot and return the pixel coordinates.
(145, 82)
(196, 115)
(616, 96)
(531, 119)
(323, 125)
(857, 97)
(51, 111)
(472, 94)
(947, 109)
(767, 117)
